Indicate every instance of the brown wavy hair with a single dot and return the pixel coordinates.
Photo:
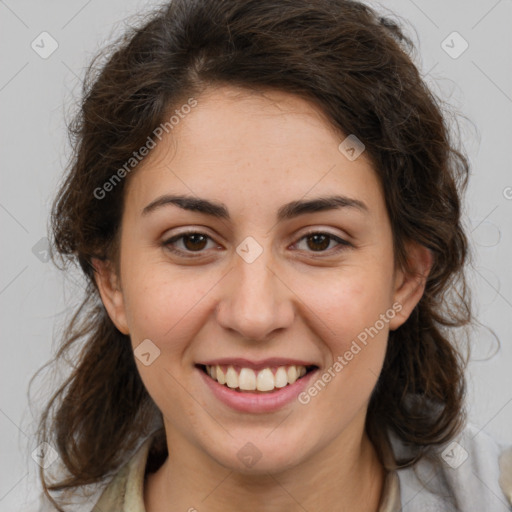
(357, 67)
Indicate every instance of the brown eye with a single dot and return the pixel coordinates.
(318, 242)
(195, 241)
(322, 242)
(187, 243)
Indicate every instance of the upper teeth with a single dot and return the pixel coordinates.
(249, 380)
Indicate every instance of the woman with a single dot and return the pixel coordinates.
(265, 201)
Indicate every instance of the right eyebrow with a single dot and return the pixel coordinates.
(195, 204)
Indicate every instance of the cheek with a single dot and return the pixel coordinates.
(349, 301)
(352, 310)
(158, 305)
(348, 314)
(166, 304)
(168, 308)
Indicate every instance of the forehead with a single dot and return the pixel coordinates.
(250, 148)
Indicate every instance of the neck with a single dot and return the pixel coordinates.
(335, 478)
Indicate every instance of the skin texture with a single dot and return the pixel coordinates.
(254, 152)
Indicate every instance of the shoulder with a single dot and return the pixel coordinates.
(473, 472)
(125, 491)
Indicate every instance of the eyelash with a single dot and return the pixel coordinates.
(342, 244)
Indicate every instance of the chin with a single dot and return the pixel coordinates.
(258, 454)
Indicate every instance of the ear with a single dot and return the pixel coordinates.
(111, 294)
(410, 283)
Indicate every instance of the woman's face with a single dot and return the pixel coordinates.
(289, 268)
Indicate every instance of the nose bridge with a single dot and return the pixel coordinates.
(255, 303)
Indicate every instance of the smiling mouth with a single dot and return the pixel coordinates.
(246, 380)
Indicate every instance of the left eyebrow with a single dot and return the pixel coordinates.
(286, 212)
(319, 204)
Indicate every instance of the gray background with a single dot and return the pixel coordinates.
(37, 94)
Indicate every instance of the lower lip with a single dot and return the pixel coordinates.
(246, 401)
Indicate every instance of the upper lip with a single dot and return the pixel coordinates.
(256, 365)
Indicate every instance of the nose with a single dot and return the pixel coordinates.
(255, 301)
